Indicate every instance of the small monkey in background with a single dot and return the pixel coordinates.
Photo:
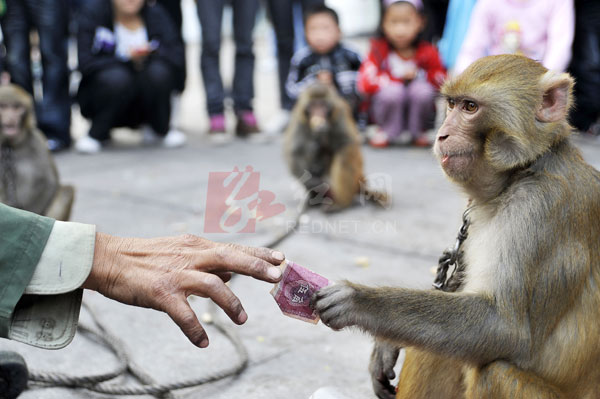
(322, 148)
(28, 176)
(519, 318)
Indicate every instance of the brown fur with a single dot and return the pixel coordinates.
(523, 324)
(33, 178)
(325, 151)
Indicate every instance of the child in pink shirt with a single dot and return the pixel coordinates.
(539, 29)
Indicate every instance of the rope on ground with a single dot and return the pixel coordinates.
(100, 382)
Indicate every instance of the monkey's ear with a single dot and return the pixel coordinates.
(556, 100)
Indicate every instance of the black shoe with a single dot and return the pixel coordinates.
(56, 145)
(13, 375)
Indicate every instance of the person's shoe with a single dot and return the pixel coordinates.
(379, 139)
(56, 145)
(88, 145)
(13, 375)
(402, 139)
(278, 123)
(149, 136)
(422, 141)
(246, 124)
(174, 139)
(217, 124)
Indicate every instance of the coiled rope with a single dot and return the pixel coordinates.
(100, 382)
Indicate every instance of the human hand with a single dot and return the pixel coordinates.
(139, 54)
(410, 74)
(160, 273)
(325, 77)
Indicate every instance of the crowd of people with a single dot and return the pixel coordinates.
(131, 57)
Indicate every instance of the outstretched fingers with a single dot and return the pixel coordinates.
(266, 254)
(183, 315)
(225, 258)
(211, 286)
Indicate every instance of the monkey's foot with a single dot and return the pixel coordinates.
(336, 305)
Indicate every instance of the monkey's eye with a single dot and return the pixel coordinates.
(451, 103)
(470, 106)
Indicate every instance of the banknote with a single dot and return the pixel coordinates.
(295, 289)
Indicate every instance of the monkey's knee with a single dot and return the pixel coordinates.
(503, 380)
(60, 208)
(425, 375)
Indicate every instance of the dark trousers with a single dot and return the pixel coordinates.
(122, 96)
(50, 19)
(585, 65)
(244, 16)
(281, 12)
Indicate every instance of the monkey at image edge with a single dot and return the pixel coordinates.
(28, 176)
(523, 321)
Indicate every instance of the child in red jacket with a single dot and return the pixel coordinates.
(401, 75)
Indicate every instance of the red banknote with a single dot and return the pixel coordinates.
(295, 289)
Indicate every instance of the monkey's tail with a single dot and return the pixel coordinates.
(377, 196)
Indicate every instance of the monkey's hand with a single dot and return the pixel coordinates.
(337, 305)
(381, 367)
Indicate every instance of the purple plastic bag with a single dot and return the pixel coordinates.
(295, 289)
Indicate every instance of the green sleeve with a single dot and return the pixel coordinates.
(23, 236)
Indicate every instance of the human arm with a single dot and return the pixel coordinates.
(297, 81)
(160, 273)
(561, 30)
(92, 57)
(478, 39)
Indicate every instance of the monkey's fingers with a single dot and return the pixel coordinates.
(384, 389)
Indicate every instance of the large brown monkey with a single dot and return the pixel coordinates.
(322, 149)
(28, 176)
(523, 322)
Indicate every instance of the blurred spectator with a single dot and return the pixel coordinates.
(50, 19)
(539, 29)
(282, 18)
(131, 60)
(173, 8)
(455, 30)
(244, 16)
(435, 17)
(585, 66)
(401, 74)
(324, 59)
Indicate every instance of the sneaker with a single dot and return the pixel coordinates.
(422, 141)
(403, 138)
(88, 145)
(174, 139)
(278, 123)
(246, 124)
(379, 139)
(217, 123)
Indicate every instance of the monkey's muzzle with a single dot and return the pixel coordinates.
(318, 123)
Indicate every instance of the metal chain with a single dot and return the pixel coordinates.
(451, 256)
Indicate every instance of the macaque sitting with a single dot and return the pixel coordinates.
(322, 149)
(28, 176)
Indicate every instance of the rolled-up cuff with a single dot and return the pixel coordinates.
(47, 315)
